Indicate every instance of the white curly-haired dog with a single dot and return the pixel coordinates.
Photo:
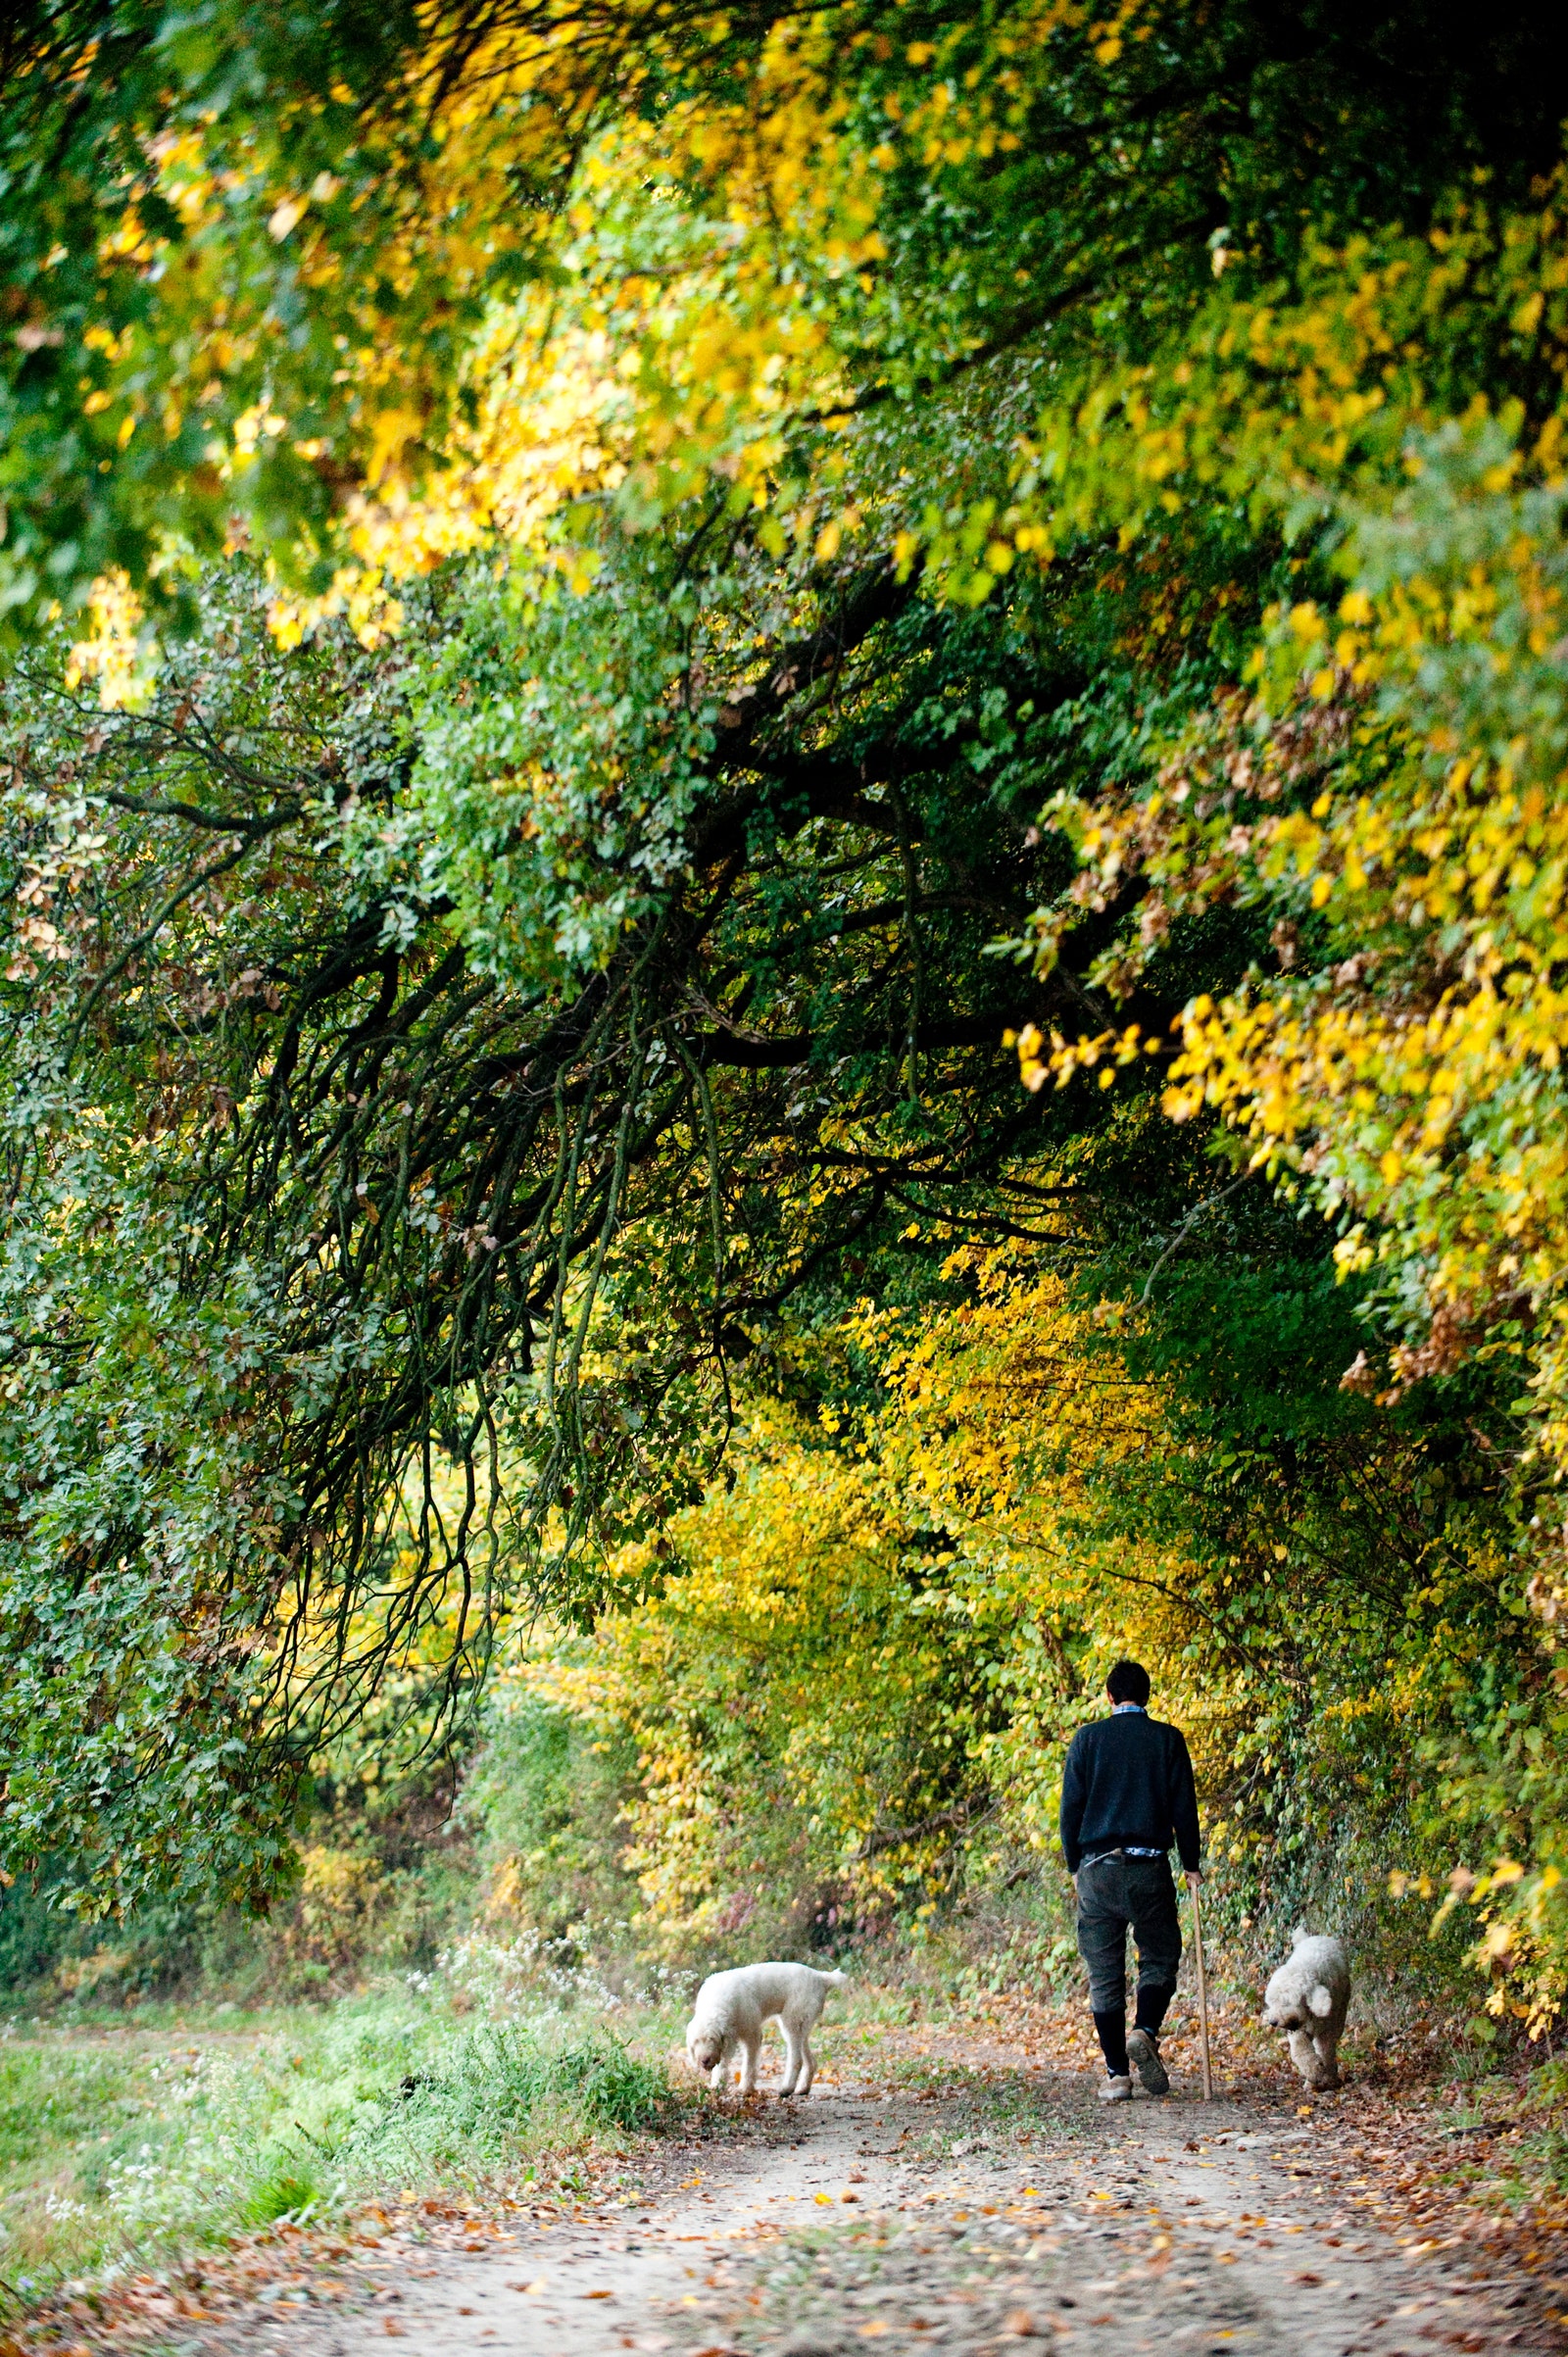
(731, 2008)
(1307, 1998)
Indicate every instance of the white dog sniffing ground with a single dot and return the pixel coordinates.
(731, 2008)
(1308, 1998)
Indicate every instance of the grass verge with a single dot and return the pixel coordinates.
(119, 2146)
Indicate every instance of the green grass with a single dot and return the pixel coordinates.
(119, 2144)
(128, 2136)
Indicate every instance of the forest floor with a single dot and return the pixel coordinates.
(961, 2192)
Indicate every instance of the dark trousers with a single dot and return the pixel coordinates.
(1117, 1894)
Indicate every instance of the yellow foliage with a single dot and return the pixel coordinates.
(340, 1893)
(873, 1653)
(85, 1976)
(117, 650)
(1389, 780)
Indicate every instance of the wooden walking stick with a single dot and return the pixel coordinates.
(1202, 1994)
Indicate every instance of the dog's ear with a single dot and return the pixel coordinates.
(1321, 2000)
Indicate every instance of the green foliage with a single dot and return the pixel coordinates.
(285, 2193)
(467, 2112)
(150, 2145)
(205, 212)
(549, 822)
(547, 1798)
(284, 1194)
(168, 182)
(819, 502)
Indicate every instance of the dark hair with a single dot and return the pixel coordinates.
(1128, 1681)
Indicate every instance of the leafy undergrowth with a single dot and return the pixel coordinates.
(121, 2148)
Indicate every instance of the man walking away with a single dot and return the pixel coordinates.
(1127, 1795)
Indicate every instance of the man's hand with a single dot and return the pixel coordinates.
(1193, 1877)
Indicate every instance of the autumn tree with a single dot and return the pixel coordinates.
(603, 602)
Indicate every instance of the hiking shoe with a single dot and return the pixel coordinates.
(1116, 2090)
(1143, 2051)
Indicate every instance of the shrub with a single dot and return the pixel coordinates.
(472, 2106)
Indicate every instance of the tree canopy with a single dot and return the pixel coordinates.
(613, 614)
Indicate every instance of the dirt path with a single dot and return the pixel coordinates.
(980, 2214)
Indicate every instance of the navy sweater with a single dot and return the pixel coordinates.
(1128, 1784)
